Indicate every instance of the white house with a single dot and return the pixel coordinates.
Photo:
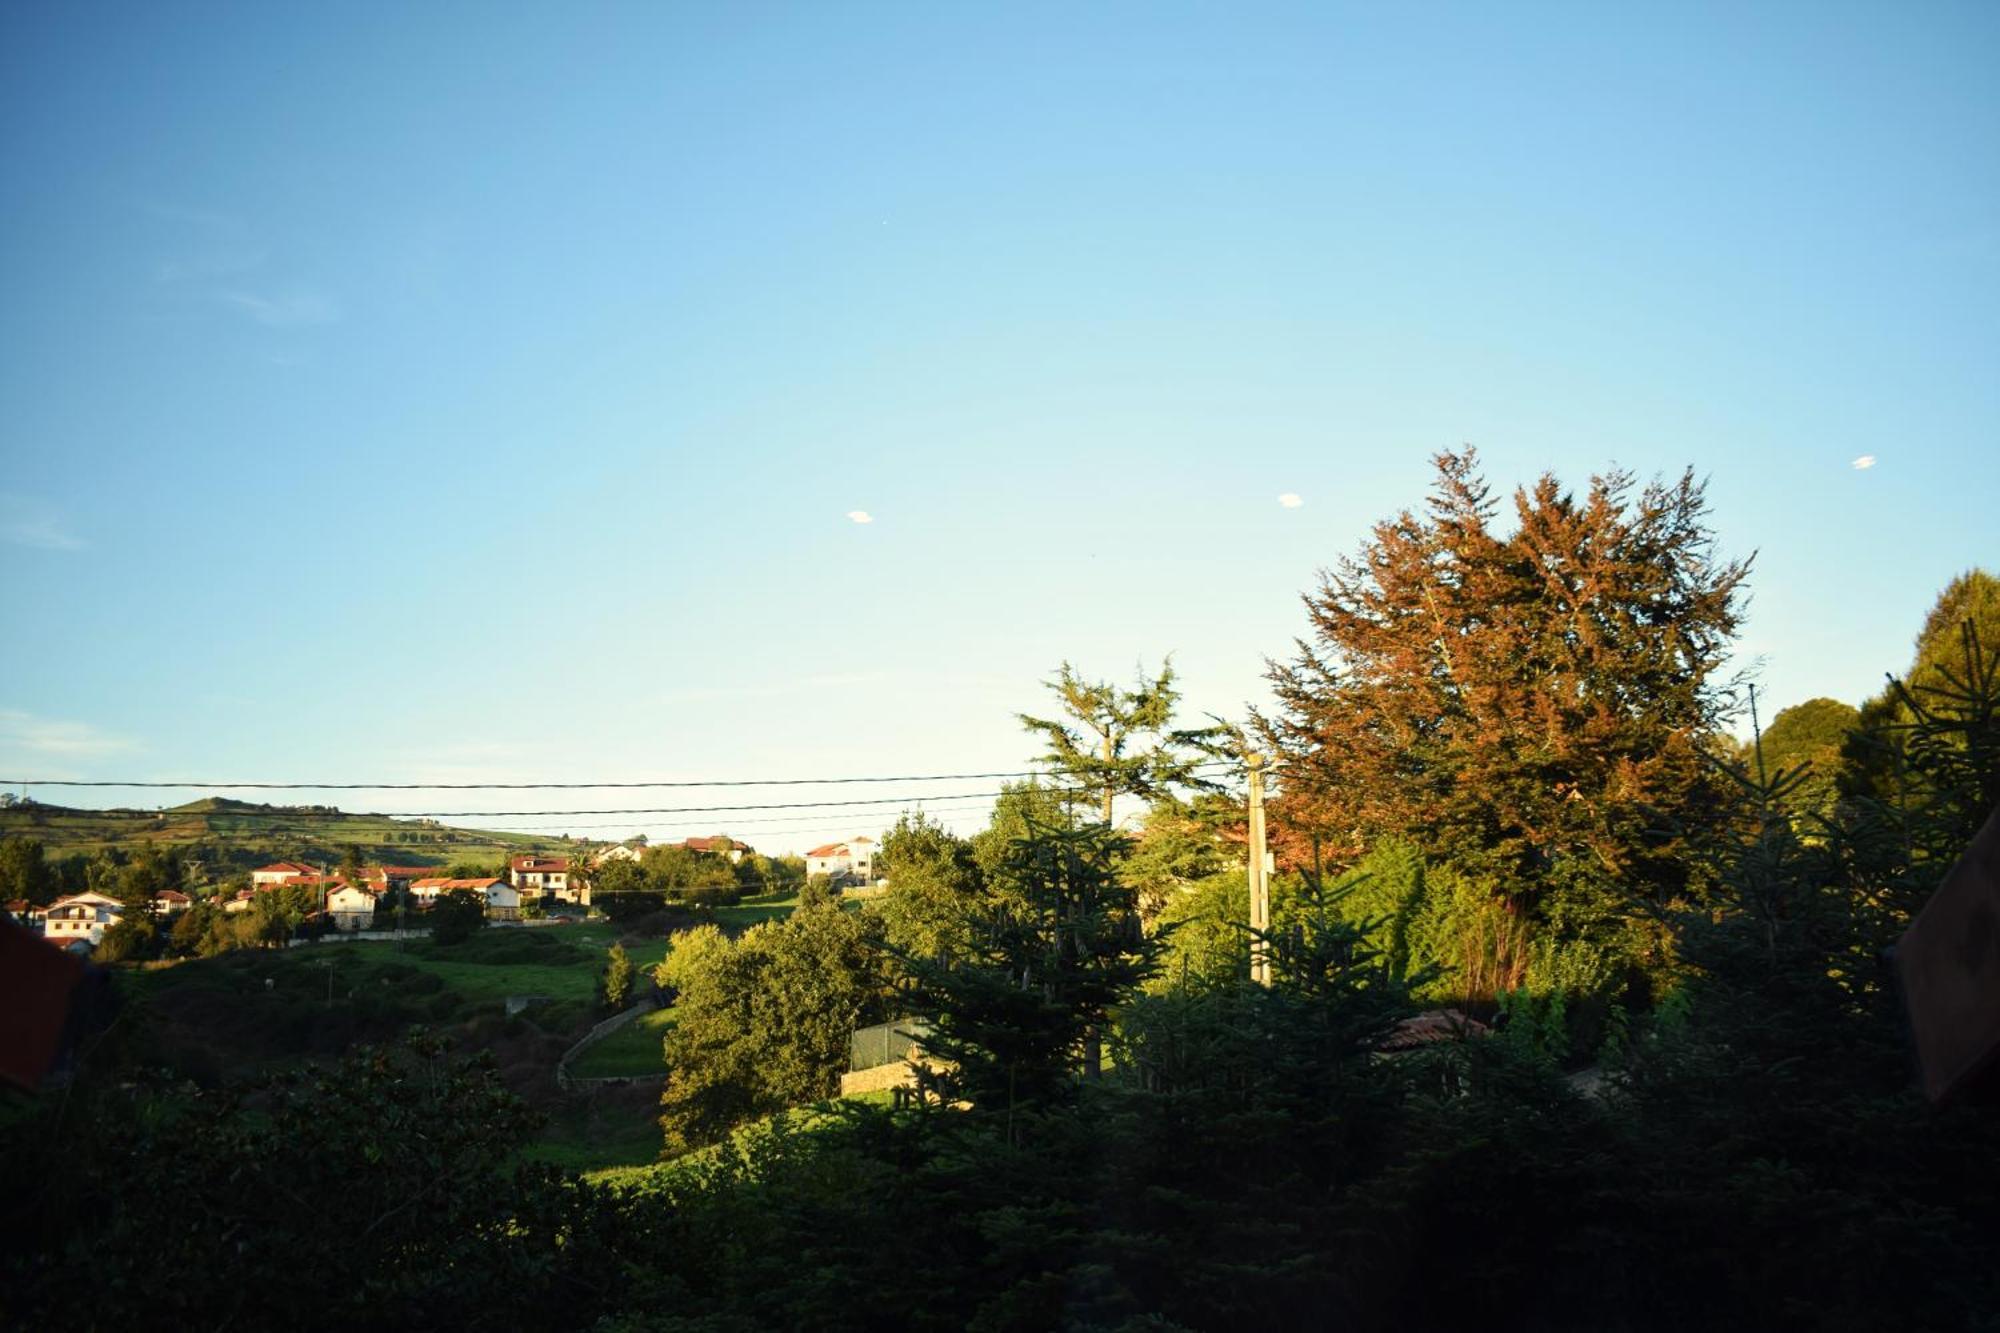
(503, 900)
(535, 876)
(853, 859)
(351, 906)
(25, 912)
(84, 916)
(169, 901)
(618, 852)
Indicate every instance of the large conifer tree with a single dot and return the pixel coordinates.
(1512, 700)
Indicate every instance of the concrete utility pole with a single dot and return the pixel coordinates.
(1260, 884)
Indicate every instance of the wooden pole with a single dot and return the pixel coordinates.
(1260, 885)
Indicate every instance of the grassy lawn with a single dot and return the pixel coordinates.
(649, 1171)
(756, 910)
(490, 966)
(612, 1131)
(631, 1051)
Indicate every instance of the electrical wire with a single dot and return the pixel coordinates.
(542, 786)
(511, 786)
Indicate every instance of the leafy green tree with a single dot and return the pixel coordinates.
(25, 872)
(1114, 741)
(615, 879)
(674, 869)
(1809, 738)
(405, 1154)
(127, 939)
(934, 883)
(1873, 756)
(616, 983)
(765, 1022)
(190, 928)
(1182, 845)
(456, 914)
(818, 891)
(692, 953)
(1021, 809)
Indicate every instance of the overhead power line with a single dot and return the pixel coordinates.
(515, 814)
(511, 786)
(539, 786)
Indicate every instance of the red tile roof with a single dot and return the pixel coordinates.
(831, 849)
(531, 864)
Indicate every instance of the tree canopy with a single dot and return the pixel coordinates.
(1101, 743)
(1514, 698)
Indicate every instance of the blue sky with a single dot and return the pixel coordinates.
(479, 392)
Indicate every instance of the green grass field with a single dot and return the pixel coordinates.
(616, 1130)
(244, 1014)
(632, 1051)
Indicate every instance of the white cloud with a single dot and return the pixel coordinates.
(26, 521)
(26, 734)
(860, 516)
(1863, 463)
(1290, 501)
(287, 310)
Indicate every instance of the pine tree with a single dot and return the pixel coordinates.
(1016, 1017)
(1097, 744)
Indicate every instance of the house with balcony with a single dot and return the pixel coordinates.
(545, 876)
(81, 917)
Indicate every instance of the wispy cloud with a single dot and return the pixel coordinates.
(28, 521)
(291, 309)
(220, 258)
(25, 734)
(1863, 463)
(860, 516)
(1290, 500)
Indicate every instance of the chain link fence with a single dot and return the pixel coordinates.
(885, 1043)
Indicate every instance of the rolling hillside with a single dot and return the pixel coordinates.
(240, 833)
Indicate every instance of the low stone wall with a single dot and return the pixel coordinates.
(596, 1034)
(896, 1074)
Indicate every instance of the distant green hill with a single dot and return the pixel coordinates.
(241, 833)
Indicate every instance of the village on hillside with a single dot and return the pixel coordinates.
(359, 898)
